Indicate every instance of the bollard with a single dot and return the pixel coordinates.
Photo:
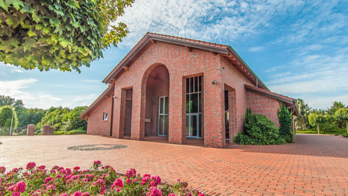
(30, 129)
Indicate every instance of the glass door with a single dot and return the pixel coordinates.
(194, 107)
(163, 116)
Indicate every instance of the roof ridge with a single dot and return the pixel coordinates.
(188, 39)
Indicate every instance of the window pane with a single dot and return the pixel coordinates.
(161, 125)
(200, 83)
(194, 103)
(196, 84)
(226, 101)
(194, 125)
(166, 125)
(187, 125)
(161, 105)
(166, 105)
(191, 85)
(200, 103)
(187, 85)
(188, 105)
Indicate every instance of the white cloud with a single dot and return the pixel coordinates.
(207, 20)
(18, 89)
(14, 69)
(320, 78)
(256, 49)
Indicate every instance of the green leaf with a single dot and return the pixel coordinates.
(28, 44)
(12, 21)
(36, 17)
(60, 29)
(14, 42)
(4, 4)
(54, 22)
(17, 4)
(31, 33)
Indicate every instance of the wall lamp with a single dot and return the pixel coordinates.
(214, 82)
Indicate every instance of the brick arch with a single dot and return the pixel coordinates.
(143, 94)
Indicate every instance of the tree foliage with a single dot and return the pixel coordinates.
(258, 130)
(303, 110)
(58, 34)
(6, 117)
(30, 116)
(285, 121)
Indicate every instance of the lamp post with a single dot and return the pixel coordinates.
(11, 122)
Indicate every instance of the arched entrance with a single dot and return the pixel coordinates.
(156, 100)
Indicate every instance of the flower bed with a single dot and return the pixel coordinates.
(99, 180)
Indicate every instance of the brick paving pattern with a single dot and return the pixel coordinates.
(314, 165)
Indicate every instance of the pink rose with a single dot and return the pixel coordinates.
(21, 186)
(31, 165)
(86, 194)
(117, 183)
(76, 168)
(117, 189)
(16, 194)
(77, 193)
(48, 179)
(2, 169)
(75, 177)
(42, 167)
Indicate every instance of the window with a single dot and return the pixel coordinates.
(105, 116)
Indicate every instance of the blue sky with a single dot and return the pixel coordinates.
(298, 48)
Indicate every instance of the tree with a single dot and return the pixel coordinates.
(54, 118)
(6, 100)
(303, 110)
(6, 117)
(30, 116)
(285, 121)
(341, 117)
(335, 106)
(72, 121)
(59, 34)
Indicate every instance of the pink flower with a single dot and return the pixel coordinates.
(86, 194)
(51, 187)
(156, 180)
(104, 175)
(77, 193)
(171, 194)
(21, 186)
(68, 170)
(190, 194)
(48, 179)
(128, 181)
(55, 167)
(201, 194)
(31, 165)
(117, 189)
(117, 183)
(16, 194)
(76, 168)
(97, 163)
(15, 170)
(38, 190)
(53, 171)
(63, 194)
(153, 191)
(178, 179)
(0, 180)
(42, 167)
(11, 188)
(75, 177)
(131, 173)
(86, 179)
(58, 176)
(2, 169)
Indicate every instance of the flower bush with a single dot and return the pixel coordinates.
(99, 180)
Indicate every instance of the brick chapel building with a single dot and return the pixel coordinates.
(181, 88)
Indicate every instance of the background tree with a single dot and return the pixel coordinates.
(59, 34)
(6, 117)
(72, 121)
(335, 106)
(285, 121)
(304, 111)
(6, 100)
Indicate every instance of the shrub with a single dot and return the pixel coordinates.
(78, 131)
(285, 121)
(328, 128)
(98, 180)
(345, 135)
(258, 130)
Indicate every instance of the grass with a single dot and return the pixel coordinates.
(309, 131)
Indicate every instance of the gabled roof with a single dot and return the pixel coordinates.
(106, 93)
(151, 38)
(289, 102)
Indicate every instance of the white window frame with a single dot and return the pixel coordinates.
(105, 116)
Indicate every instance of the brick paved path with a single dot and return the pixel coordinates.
(314, 165)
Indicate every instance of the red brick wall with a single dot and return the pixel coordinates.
(264, 105)
(179, 62)
(96, 124)
(236, 80)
